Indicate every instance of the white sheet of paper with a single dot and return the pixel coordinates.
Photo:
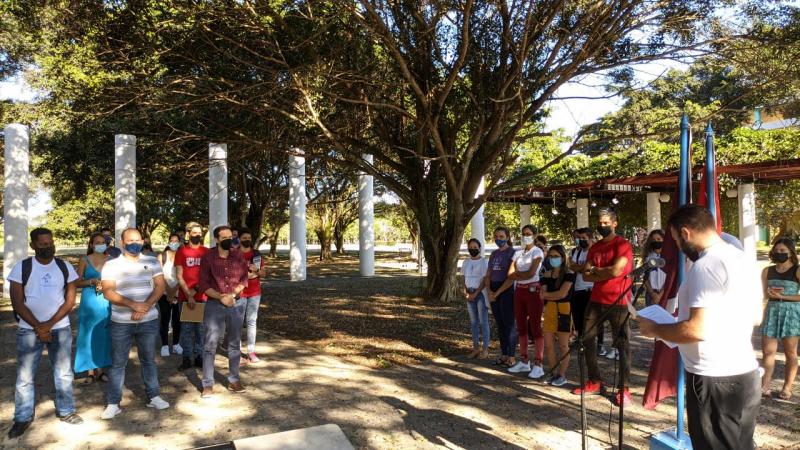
(659, 315)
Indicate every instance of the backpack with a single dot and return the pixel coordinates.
(27, 268)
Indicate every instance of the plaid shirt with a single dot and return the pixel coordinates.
(222, 274)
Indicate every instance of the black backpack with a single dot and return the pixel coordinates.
(27, 268)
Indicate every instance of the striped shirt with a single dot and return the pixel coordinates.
(134, 281)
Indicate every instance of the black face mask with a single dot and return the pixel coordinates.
(246, 244)
(689, 250)
(45, 253)
(583, 243)
(195, 239)
(656, 245)
(474, 252)
(226, 244)
(780, 257)
(604, 231)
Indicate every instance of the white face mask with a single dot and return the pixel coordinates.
(527, 240)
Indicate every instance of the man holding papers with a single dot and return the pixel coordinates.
(718, 305)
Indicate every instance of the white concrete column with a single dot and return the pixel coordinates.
(15, 199)
(297, 217)
(524, 215)
(124, 184)
(747, 219)
(653, 211)
(478, 225)
(366, 223)
(217, 188)
(582, 212)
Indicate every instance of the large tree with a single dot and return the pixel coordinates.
(440, 92)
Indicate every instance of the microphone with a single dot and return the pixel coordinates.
(649, 264)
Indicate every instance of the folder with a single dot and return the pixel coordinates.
(193, 315)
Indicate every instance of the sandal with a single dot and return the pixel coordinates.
(766, 392)
(103, 377)
(89, 379)
(785, 395)
(500, 361)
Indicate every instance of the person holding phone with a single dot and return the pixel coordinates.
(780, 282)
(257, 269)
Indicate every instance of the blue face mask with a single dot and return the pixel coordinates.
(134, 248)
(235, 242)
(100, 248)
(174, 246)
(500, 242)
(555, 262)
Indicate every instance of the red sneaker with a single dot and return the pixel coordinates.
(623, 397)
(591, 387)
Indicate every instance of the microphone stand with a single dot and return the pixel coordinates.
(580, 346)
(622, 355)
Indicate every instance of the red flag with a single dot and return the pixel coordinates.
(662, 381)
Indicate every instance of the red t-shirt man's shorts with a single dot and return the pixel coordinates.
(603, 254)
(253, 284)
(189, 259)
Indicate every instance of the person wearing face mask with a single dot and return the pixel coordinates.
(257, 269)
(93, 346)
(187, 271)
(133, 283)
(235, 241)
(609, 261)
(654, 282)
(168, 304)
(718, 305)
(541, 242)
(223, 278)
(523, 274)
(502, 301)
(42, 295)
(582, 289)
(557, 284)
(111, 250)
(473, 269)
(780, 283)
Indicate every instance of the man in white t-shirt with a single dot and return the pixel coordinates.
(42, 300)
(719, 302)
(133, 283)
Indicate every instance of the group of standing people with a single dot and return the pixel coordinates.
(124, 292)
(543, 295)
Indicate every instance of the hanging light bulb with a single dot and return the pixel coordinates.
(664, 197)
(555, 211)
(571, 203)
(615, 201)
(593, 204)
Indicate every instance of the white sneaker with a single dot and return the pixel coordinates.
(536, 372)
(158, 403)
(178, 349)
(110, 412)
(165, 350)
(612, 354)
(601, 351)
(520, 367)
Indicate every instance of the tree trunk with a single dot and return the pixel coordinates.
(325, 238)
(273, 244)
(441, 254)
(338, 238)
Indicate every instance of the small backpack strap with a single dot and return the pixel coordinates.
(27, 268)
(64, 271)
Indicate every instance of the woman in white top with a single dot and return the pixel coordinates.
(473, 270)
(524, 275)
(654, 283)
(168, 304)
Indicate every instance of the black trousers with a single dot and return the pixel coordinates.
(169, 311)
(722, 410)
(577, 306)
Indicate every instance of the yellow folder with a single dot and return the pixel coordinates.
(193, 315)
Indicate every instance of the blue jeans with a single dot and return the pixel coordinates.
(503, 310)
(251, 319)
(220, 319)
(122, 337)
(479, 321)
(29, 352)
(192, 338)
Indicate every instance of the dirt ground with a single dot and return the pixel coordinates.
(372, 357)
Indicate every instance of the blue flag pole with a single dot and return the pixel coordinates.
(676, 439)
(710, 164)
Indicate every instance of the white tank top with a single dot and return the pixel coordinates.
(169, 273)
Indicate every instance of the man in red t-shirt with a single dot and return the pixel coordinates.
(187, 271)
(252, 293)
(609, 262)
